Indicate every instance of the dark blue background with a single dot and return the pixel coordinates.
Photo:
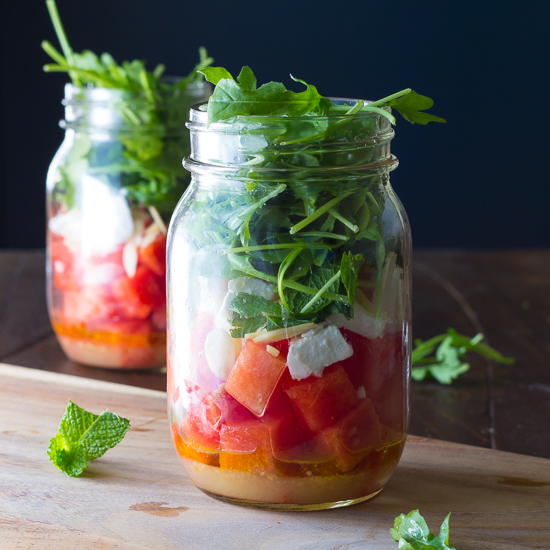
(479, 181)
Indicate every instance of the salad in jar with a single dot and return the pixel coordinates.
(289, 296)
(111, 189)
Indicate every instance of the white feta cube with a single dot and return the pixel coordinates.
(220, 353)
(315, 350)
(362, 323)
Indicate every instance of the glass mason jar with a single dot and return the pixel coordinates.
(112, 184)
(289, 310)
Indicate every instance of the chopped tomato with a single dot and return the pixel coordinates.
(254, 377)
(323, 401)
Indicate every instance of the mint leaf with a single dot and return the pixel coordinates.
(411, 532)
(441, 357)
(83, 436)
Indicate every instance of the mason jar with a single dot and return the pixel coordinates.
(111, 188)
(289, 310)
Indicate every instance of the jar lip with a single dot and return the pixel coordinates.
(200, 116)
(101, 95)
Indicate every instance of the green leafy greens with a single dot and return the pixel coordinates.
(145, 156)
(83, 436)
(241, 97)
(442, 357)
(299, 211)
(411, 532)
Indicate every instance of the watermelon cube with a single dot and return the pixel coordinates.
(322, 401)
(354, 435)
(254, 377)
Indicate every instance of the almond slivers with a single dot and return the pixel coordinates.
(282, 333)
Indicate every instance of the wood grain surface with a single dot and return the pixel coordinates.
(138, 497)
(505, 294)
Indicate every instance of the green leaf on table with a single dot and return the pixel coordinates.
(442, 357)
(83, 436)
(411, 532)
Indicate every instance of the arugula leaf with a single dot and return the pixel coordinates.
(83, 436)
(283, 220)
(241, 98)
(148, 166)
(410, 107)
(441, 357)
(411, 532)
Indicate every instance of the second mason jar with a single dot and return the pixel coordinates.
(111, 187)
(289, 310)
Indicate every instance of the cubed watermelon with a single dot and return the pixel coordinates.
(153, 256)
(322, 401)
(254, 377)
(201, 425)
(373, 360)
(354, 435)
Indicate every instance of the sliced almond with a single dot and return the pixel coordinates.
(272, 351)
(157, 219)
(149, 235)
(130, 258)
(283, 333)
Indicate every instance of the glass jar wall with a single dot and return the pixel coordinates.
(288, 308)
(110, 189)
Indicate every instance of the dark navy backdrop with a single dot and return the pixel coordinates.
(479, 181)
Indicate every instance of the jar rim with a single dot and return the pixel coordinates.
(98, 95)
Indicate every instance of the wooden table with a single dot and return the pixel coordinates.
(505, 294)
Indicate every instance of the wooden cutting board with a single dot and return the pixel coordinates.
(138, 497)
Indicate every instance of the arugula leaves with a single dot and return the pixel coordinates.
(441, 357)
(411, 532)
(241, 97)
(299, 211)
(152, 112)
(83, 436)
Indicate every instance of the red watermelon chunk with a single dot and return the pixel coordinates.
(290, 438)
(373, 360)
(153, 256)
(355, 434)
(200, 428)
(323, 401)
(254, 377)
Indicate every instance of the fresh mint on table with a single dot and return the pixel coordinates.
(411, 532)
(147, 161)
(83, 436)
(442, 357)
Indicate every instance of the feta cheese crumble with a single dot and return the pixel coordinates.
(219, 351)
(362, 323)
(315, 350)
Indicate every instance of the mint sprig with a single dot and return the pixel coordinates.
(83, 436)
(442, 357)
(411, 532)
